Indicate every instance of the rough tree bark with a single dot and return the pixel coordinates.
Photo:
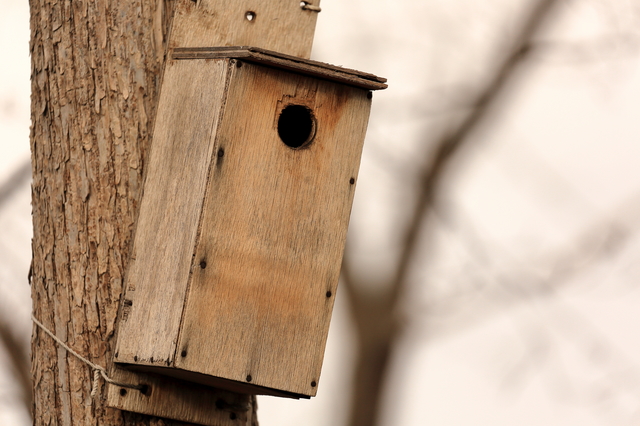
(95, 74)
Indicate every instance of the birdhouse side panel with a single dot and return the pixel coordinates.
(273, 229)
(189, 108)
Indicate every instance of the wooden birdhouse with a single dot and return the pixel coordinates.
(242, 224)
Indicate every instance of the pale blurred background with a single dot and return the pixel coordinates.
(522, 304)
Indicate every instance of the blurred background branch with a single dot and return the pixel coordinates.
(375, 315)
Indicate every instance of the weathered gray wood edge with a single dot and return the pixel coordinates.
(287, 62)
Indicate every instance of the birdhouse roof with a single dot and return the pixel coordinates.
(290, 63)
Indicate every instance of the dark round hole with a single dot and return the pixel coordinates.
(352, 181)
(328, 294)
(296, 126)
(145, 390)
(123, 392)
(183, 354)
(135, 358)
(249, 378)
(203, 264)
(221, 153)
(151, 359)
(313, 384)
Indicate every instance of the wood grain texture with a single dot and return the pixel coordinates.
(279, 25)
(272, 233)
(95, 79)
(189, 107)
(290, 63)
(175, 399)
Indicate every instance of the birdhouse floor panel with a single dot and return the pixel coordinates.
(211, 382)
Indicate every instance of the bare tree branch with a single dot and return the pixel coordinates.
(374, 312)
(451, 144)
(19, 360)
(21, 175)
(521, 283)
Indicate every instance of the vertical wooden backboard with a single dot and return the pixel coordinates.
(271, 237)
(280, 25)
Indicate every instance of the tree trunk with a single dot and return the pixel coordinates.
(96, 69)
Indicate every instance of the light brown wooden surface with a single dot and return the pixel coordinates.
(272, 233)
(95, 81)
(176, 399)
(286, 62)
(280, 25)
(188, 110)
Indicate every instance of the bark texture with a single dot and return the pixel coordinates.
(96, 68)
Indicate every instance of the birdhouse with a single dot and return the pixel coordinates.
(242, 223)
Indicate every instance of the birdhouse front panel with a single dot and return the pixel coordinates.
(265, 222)
(272, 234)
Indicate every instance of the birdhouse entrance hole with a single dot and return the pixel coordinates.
(296, 126)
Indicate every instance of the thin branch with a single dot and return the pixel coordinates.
(19, 360)
(21, 175)
(599, 242)
(621, 45)
(450, 145)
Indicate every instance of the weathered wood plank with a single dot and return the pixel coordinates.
(279, 25)
(272, 234)
(286, 62)
(189, 107)
(175, 399)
